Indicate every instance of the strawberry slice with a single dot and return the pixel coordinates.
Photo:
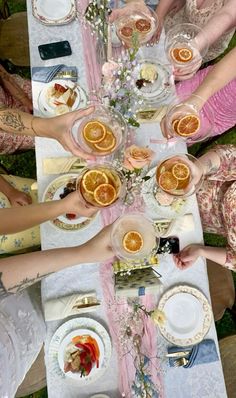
(70, 216)
(60, 88)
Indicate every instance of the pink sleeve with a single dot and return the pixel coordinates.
(229, 214)
(227, 169)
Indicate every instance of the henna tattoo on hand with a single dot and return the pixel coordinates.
(12, 120)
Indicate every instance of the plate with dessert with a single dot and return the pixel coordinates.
(153, 80)
(80, 349)
(59, 189)
(61, 96)
(161, 204)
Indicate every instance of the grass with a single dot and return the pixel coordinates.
(23, 164)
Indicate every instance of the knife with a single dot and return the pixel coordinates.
(178, 354)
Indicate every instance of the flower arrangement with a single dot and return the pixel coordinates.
(96, 15)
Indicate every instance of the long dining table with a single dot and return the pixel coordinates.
(205, 381)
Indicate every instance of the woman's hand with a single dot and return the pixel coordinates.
(59, 128)
(100, 245)
(188, 256)
(136, 6)
(18, 198)
(73, 204)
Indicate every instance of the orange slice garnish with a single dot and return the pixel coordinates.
(188, 125)
(180, 171)
(143, 25)
(92, 179)
(167, 181)
(185, 54)
(94, 132)
(108, 143)
(174, 124)
(105, 194)
(126, 31)
(132, 242)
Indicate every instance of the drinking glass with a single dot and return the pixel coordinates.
(101, 185)
(186, 36)
(189, 106)
(101, 133)
(136, 26)
(133, 222)
(179, 175)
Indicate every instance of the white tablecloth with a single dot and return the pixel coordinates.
(205, 381)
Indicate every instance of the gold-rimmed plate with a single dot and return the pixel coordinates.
(188, 313)
(54, 12)
(53, 192)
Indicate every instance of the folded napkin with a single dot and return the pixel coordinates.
(74, 304)
(182, 224)
(151, 115)
(63, 165)
(204, 352)
(47, 73)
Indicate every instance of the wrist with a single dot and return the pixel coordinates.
(39, 126)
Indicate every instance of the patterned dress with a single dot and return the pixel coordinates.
(190, 13)
(217, 201)
(10, 143)
(222, 103)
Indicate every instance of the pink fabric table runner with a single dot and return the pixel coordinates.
(115, 308)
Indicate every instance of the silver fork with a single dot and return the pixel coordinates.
(180, 362)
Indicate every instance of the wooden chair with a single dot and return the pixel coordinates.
(14, 43)
(222, 289)
(228, 357)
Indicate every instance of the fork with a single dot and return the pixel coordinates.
(180, 362)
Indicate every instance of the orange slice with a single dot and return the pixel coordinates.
(180, 171)
(174, 124)
(105, 194)
(143, 25)
(94, 132)
(126, 31)
(188, 125)
(175, 54)
(92, 179)
(132, 242)
(107, 144)
(185, 54)
(167, 181)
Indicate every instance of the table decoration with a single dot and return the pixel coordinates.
(125, 268)
(53, 12)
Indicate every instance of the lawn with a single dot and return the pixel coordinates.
(23, 164)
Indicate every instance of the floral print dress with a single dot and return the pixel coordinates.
(217, 201)
(190, 13)
(10, 143)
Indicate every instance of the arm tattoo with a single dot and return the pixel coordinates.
(12, 120)
(26, 282)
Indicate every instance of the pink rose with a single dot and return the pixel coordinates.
(137, 157)
(108, 70)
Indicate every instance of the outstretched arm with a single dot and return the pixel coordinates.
(189, 255)
(19, 272)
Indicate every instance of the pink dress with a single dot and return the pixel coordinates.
(222, 103)
(217, 201)
(191, 13)
(10, 143)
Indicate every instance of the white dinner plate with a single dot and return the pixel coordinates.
(178, 207)
(188, 315)
(73, 325)
(62, 349)
(46, 106)
(54, 12)
(52, 192)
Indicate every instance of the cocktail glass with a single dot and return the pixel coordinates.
(198, 119)
(101, 133)
(190, 37)
(179, 175)
(138, 223)
(101, 185)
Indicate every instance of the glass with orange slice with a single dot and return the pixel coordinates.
(133, 237)
(179, 175)
(101, 133)
(100, 185)
(136, 24)
(189, 118)
(184, 50)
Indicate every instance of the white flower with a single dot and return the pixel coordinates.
(158, 317)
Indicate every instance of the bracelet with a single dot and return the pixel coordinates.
(32, 127)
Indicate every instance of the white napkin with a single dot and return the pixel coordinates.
(63, 165)
(65, 306)
(182, 224)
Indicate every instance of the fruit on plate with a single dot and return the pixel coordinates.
(70, 187)
(132, 242)
(62, 97)
(82, 355)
